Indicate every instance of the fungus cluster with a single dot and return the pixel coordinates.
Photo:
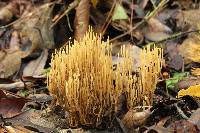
(83, 82)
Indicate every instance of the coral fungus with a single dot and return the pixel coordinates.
(83, 82)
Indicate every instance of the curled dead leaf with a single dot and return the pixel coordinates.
(133, 119)
(190, 49)
(156, 34)
(35, 26)
(36, 67)
(187, 82)
(6, 13)
(10, 107)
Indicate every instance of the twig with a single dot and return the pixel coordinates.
(108, 19)
(181, 112)
(147, 17)
(70, 7)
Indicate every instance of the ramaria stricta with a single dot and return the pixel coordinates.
(83, 82)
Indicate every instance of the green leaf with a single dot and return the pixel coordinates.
(119, 13)
(180, 75)
(170, 83)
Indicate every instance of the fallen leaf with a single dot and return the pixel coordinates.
(119, 13)
(158, 129)
(191, 91)
(10, 62)
(195, 118)
(133, 119)
(184, 126)
(174, 59)
(35, 26)
(10, 107)
(36, 67)
(14, 41)
(156, 34)
(190, 49)
(17, 129)
(187, 82)
(189, 18)
(6, 13)
(24, 122)
(160, 27)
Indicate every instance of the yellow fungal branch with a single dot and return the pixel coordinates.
(140, 87)
(81, 79)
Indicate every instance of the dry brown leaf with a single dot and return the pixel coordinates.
(158, 129)
(190, 49)
(156, 34)
(187, 82)
(133, 119)
(17, 129)
(188, 17)
(184, 126)
(81, 21)
(35, 67)
(35, 26)
(195, 118)
(7, 12)
(14, 41)
(160, 27)
(174, 59)
(10, 62)
(185, 4)
(10, 107)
